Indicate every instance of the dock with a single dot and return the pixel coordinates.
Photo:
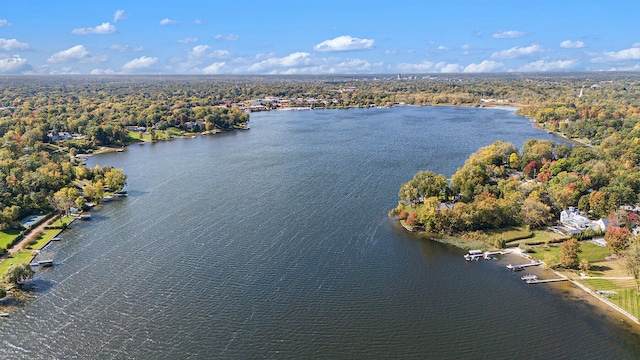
(539, 281)
(523, 266)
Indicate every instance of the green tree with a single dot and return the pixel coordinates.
(115, 178)
(64, 198)
(569, 251)
(18, 273)
(632, 262)
(535, 213)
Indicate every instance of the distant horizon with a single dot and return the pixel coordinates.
(196, 37)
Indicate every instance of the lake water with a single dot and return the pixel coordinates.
(275, 243)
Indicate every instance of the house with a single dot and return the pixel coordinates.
(576, 223)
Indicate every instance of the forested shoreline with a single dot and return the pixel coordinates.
(597, 108)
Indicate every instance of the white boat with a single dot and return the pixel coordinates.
(4, 314)
(529, 277)
(55, 239)
(84, 217)
(107, 198)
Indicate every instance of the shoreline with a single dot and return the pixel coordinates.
(572, 287)
(578, 290)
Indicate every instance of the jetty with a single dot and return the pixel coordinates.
(523, 266)
(43, 263)
(540, 281)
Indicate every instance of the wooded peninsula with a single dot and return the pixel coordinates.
(47, 125)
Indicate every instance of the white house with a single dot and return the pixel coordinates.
(575, 222)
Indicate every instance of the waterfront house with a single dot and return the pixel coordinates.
(574, 222)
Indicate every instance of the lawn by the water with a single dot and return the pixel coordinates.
(551, 254)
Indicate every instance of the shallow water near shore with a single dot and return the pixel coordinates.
(275, 243)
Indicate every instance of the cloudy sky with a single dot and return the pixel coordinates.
(321, 37)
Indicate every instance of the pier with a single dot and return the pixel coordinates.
(539, 281)
(523, 266)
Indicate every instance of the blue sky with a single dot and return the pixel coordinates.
(322, 37)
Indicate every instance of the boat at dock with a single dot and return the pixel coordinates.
(55, 239)
(84, 217)
(473, 255)
(4, 314)
(529, 277)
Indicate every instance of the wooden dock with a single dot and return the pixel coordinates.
(521, 267)
(539, 281)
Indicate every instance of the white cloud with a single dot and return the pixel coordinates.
(141, 63)
(292, 60)
(390, 52)
(104, 28)
(295, 63)
(77, 53)
(443, 48)
(636, 45)
(203, 51)
(167, 21)
(516, 52)
(466, 47)
(617, 56)
(228, 37)
(125, 48)
(119, 15)
(214, 68)
(485, 66)
(344, 43)
(5, 22)
(542, 65)
(12, 44)
(568, 44)
(429, 67)
(103, 72)
(511, 34)
(188, 40)
(14, 65)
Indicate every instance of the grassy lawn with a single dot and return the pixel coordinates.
(538, 237)
(593, 252)
(21, 257)
(170, 133)
(7, 237)
(62, 220)
(44, 238)
(625, 295)
(513, 233)
(551, 254)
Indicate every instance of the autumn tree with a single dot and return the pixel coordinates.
(569, 251)
(617, 238)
